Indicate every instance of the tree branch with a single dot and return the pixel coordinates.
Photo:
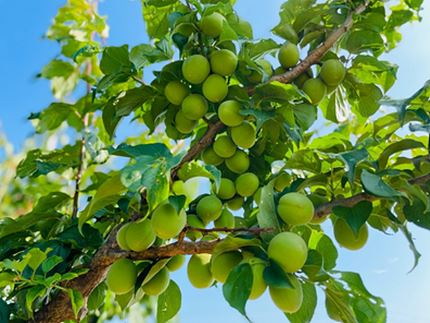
(327, 208)
(60, 309)
(316, 55)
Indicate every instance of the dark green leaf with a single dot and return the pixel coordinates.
(237, 288)
(275, 276)
(76, 299)
(116, 60)
(355, 216)
(266, 216)
(169, 303)
(376, 186)
(97, 296)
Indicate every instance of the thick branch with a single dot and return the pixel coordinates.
(316, 55)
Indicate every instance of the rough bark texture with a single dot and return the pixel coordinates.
(59, 309)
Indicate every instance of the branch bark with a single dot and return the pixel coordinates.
(60, 309)
(316, 55)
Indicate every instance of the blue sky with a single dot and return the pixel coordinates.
(383, 262)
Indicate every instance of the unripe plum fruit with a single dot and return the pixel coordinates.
(223, 264)
(288, 250)
(258, 283)
(223, 62)
(212, 25)
(215, 88)
(121, 276)
(346, 237)
(176, 92)
(123, 300)
(157, 284)
(235, 203)
(315, 89)
(295, 208)
(332, 72)
(257, 196)
(288, 55)
(228, 113)
(238, 163)
(288, 300)
(194, 222)
(226, 220)
(196, 69)
(209, 208)
(183, 124)
(226, 189)
(175, 262)
(224, 146)
(120, 237)
(256, 77)
(140, 235)
(166, 222)
(199, 270)
(247, 184)
(282, 181)
(302, 78)
(244, 135)
(211, 158)
(194, 106)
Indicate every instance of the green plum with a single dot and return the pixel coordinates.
(226, 220)
(295, 208)
(315, 89)
(224, 146)
(199, 271)
(196, 69)
(176, 92)
(244, 135)
(194, 106)
(210, 157)
(121, 276)
(175, 262)
(209, 208)
(120, 237)
(223, 264)
(183, 124)
(157, 284)
(229, 113)
(288, 55)
(238, 163)
(226, 189)
(166, 222)
(140, 235)
(288, 250)
(223, 62)
(288, 300)
(212, 25)
(332, 72)
(247, 184)
(215, 88)
(346, 237)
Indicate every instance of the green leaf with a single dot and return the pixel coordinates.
(360, 41)
(307, 310)
(396, 147)
(305, 115)
(156, 150)
(31, 296)
(87, 237)
(57, 68)
(313, 267)
(145, 54)
(194, 169)
(116, 60)
(53, 116)
(266, 216)
(76, 299)
(157, 17)
(237, 288)
(231, 243)
(275, 276)
(351, 159)
(260, 116)
(49, 263)
(97, 297)
(376, 186)
(417, 213)
(355, 216)
(129, 101)
(37, 163)
(169, 303)
(108, 193)
(35, 258)
(408, 235)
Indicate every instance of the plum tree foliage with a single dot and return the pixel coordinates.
(286, 131)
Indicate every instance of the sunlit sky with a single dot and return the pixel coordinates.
(384, 262)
